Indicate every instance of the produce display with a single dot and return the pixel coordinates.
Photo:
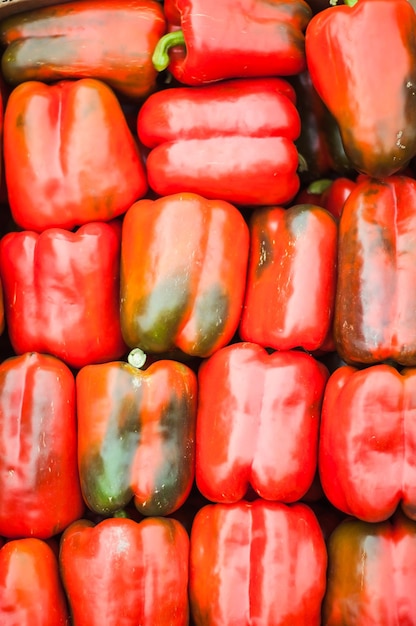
(208, 313)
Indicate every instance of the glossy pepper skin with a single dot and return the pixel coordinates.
(367, 441)
(182, 284)
(371, 573)
(233, 140)
(70, 157)
(291, 279)
(257, 423)
(31, 591)
(250, 38)
(61, 292)
(136, 435)
(126, 573)
(378, 133)
(376, 295)
(111, 40)
(272, 558)
(39, 484)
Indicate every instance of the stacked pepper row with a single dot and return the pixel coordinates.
(208, 376)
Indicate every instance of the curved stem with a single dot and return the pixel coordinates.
(160, 58)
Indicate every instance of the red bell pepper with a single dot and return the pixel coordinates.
(354, 51)
(70, 157)
(211, 40)
(61, 292)
(233, 140)
(136, 435)
(367, 441)
(290, 294)
(256, 563)
(111, 40)
(126, 573)
(31, 591)
(375, 302)
(39, 484)
(371, 574)
(182, 283)
(265, 431)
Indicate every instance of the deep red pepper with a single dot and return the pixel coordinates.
(126, 572)
(352, 53)
(256, 563)
(376, 286)
(39, 484)
(31, 591)
(230, 39)
(265, 431)
(136, 435)
(233, 140)
(290, 293)
(61, 292)
(70, 157)
(367, 441)
(111, 40)
(371, 573)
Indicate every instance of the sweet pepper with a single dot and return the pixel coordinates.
(182, 284)
(111, 40)
(211, 40)
(39, 483)
(257, 423)
(136, 435)
(362, 60)
(233, 140)
(70, 157)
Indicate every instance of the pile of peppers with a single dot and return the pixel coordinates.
(208, 313)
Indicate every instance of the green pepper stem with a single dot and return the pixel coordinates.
(349, 3)
(136, 358)
(160, 58)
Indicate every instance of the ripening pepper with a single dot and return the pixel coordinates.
(257, 423)
(375, 301)
(69, 155)
(256, 563)
(61, 292)
(367, 441)
(371, 574)
(291, 279)
(182, 283)
(211, 40)
(362, 60)
(125, 573)
(233, 140)
(111, 40)
(136, 435)
(39, 483)
(31, 591)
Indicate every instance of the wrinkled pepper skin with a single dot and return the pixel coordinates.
(257, 423)
(249, 39)
(182, 284)
(367, 441)
(55, 177)
(61, 292)
(272, 559)
(371, 570)
(136, 436)
(375, 300)
(290, 295)
(110, 40)
(39, 484)
(31, 591)
(378, 133)
(126, 573)
(252, 156)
